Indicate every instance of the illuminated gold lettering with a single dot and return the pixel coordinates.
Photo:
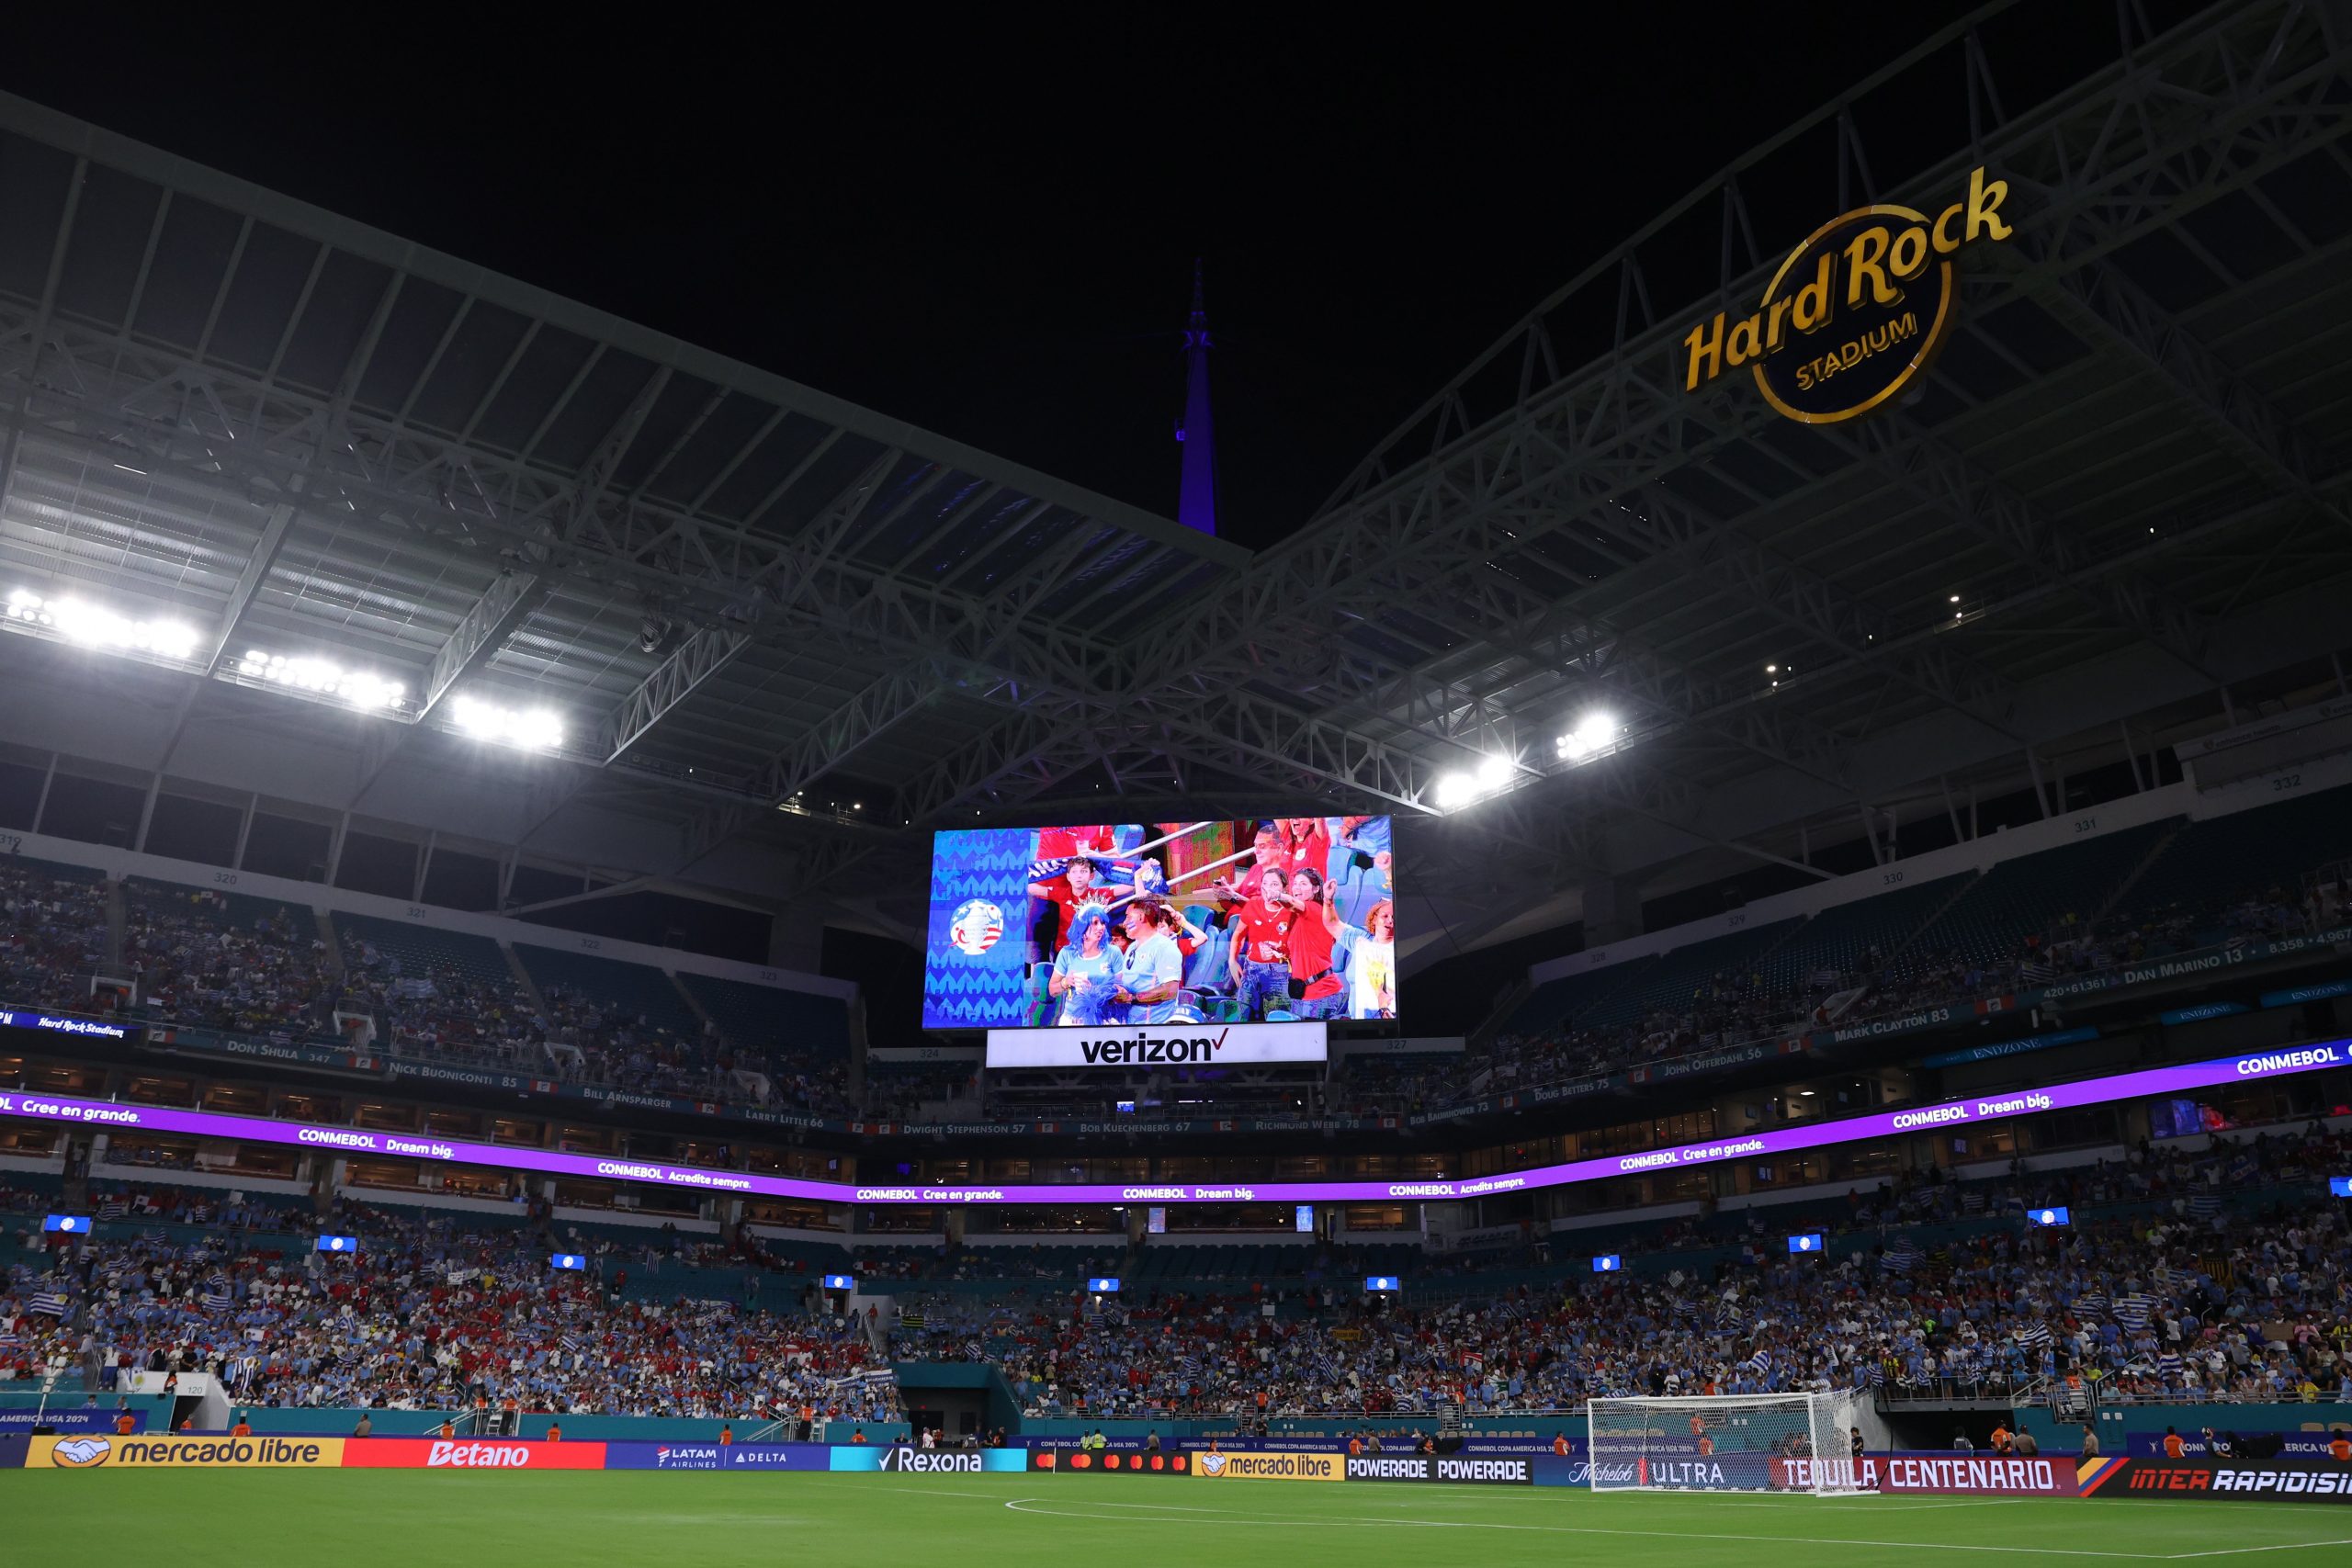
(1985, 206)
(1865, 263)
(1946, 241)
(1747, 342)
(1706, 343)
(1910, 254)
(1812, 299)
(1773, 326)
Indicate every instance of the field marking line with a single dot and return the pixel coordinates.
(1016, 1505)
(2239, 1551)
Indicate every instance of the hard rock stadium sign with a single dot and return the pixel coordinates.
(1857, 311)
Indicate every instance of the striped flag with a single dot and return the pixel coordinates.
(47, 1303)
(217, 1296)
(2205, 1205)
(2133, 1310)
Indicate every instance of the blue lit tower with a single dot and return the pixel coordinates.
(1196, 502)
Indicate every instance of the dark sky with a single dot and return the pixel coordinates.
(989, 230)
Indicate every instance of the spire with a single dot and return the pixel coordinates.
(1196, 502)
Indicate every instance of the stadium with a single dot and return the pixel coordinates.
(1772, 973)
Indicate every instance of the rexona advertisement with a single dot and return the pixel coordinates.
(900, 1459)
(1121, 930)
(137, 1452)
(1856, 312)
(1270, 1467)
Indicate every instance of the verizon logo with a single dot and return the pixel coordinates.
(1144, 1048)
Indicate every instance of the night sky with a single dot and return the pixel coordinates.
(989, 231)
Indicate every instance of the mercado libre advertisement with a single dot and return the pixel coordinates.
(1119, 927)
(140, 1452)
(1271, 1466)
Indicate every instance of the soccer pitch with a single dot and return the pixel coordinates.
(260, 1519)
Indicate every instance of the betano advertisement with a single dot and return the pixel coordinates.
(2153, 1082)
(1111, 927)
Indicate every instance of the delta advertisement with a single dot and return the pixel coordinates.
(1116, 927)
(719, 1456)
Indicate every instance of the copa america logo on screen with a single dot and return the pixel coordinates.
(976, 926)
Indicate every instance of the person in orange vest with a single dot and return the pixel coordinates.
(1560, 1445)
(554, 1433)
(2001, 1439)
(448, 1431)
(2339, 1446)
(125, 1423)
(2173, 1447)
(858, 1436)
(726, 1436)
(242, 1429)
(188, 1423)
(808, 1421)
(1355, 1446)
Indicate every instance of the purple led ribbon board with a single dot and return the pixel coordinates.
(2151, 1082)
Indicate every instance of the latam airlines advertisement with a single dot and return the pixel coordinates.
(2172, 1080)
(1117, 927)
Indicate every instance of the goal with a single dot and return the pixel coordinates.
(1754, 1443)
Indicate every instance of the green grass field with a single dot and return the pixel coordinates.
(260, 1519)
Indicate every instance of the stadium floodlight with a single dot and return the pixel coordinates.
(841, 1282)
(1104, 1286)
(86, 625)
(338, 1243)
(1608, 1263)
(533, 729)
(1493, 775)
(360, 688)
(2049, 1217)
(66, 1225)
(1593, 731)
(1383, 1283)
(1809, 1241)
(572, 1260)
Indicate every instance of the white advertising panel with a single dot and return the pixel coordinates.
(1159, 1046)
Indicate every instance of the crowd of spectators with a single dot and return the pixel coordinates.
(438, 1312)
(1738, 1004)
(2173, 1297)
(198, 962)
(55, 936)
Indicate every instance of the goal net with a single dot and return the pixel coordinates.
(1757, 1442)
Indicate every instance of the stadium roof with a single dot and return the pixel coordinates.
(2123, 493)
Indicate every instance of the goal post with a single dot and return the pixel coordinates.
(1754, 1442)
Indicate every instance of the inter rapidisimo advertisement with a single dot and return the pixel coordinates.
(1141, 933)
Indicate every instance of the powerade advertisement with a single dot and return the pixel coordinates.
(1116, 926)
